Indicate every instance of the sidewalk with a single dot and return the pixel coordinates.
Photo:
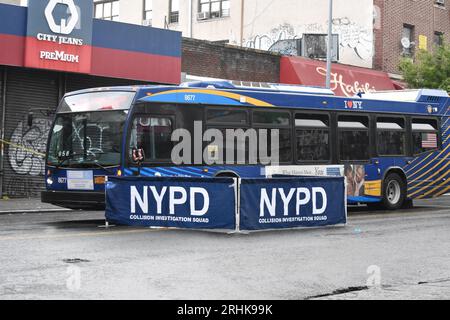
(33, 205)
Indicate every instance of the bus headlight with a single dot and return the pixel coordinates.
(49, 181)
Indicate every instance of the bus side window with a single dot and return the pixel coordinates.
(424, 135)
(153, 135)
(391, 136)
(278, 124)
(313, 137)
(224, 119)
(354, 142)
(222, 116)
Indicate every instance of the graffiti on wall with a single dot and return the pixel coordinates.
(355, 37)
(267, 40)
(286, 47)
(27, 145)
(352, 36)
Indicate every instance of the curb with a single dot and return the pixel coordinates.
(34, 211)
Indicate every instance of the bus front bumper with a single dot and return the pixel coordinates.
(74, 200)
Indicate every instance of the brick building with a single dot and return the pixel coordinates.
(205, 58)
(425, 23)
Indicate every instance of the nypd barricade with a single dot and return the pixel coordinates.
(210, 203)
(281, 203)
(172, 202)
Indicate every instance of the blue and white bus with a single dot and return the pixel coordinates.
(393, 147)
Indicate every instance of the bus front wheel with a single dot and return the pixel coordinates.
(394, 192)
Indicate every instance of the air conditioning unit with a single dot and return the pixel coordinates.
(440, 2)
(202, 15)
(147, 23)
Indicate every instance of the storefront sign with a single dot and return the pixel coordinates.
(346, 81)
(348, 88)
(59, 35)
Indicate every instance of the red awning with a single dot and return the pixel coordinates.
(400, 85)
(345, 80)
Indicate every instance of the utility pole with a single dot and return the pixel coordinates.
(242, 23)
(190, 19)
(330, 43)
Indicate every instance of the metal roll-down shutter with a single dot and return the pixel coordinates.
(24, 166)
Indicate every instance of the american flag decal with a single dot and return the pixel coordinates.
(429, 140)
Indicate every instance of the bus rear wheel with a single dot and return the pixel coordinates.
(394, 192)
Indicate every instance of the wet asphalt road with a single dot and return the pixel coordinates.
(67, 256)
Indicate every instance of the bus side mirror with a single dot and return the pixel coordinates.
(30, 119)
(138, 155)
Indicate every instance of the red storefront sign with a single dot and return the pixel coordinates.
(59, 35)
(52, 35)
(346, 80)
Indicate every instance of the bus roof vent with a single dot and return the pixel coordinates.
(432, 96)
(208, 84)
(258, 86)
(282, 87)
(412, 95)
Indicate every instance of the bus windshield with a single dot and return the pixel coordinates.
(87, 139)
(97, 101)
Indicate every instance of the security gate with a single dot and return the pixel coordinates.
(27, 90)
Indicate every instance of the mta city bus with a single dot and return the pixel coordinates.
(392, 147)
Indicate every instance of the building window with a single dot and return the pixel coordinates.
(440, 3)
(107, 10)
(213, 9)
(148, 11)
(439, 39)
(174, 11)
(408, 39)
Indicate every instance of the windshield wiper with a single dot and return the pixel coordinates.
(94, 162)
(103, 167)
(61, 162)
(94, 156)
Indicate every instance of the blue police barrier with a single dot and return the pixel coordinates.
(280, 203)
(171, 202)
